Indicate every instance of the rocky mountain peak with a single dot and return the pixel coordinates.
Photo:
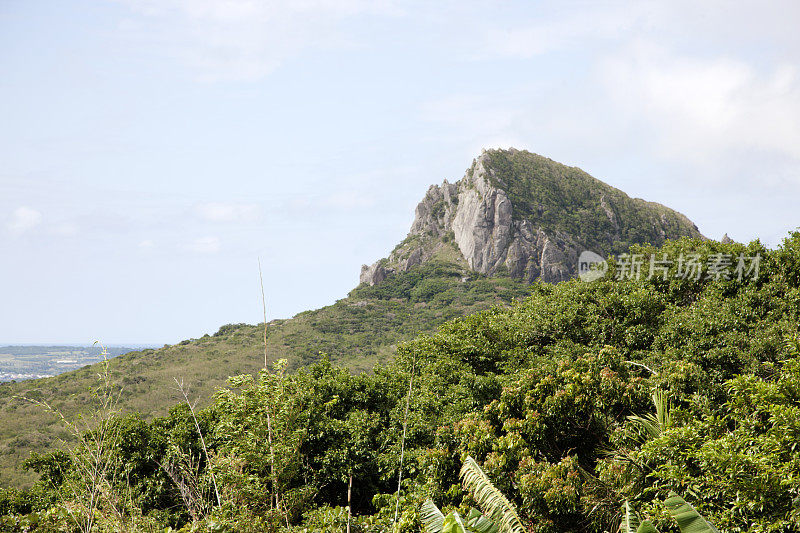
(520, 214)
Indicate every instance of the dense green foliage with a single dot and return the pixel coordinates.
(356, 332)
(567, 199)
(552, 396)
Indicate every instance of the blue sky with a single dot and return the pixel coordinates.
(152, 150)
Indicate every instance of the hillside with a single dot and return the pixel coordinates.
(583, 403)
(514, 218)
(357, 331)
(518, 214)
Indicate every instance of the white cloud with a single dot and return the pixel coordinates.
(245, 39)
(204, 245)
(146, 244)
(585, 27)
(704, 108)
(227, 212)
(723, 114)
(24, 219)
(516, 118)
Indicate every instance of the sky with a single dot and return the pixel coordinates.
(152, 151)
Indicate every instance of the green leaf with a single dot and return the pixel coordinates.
(489, 498)
(646, 527)
(480, 524)
(688, 519)
(454, 524)
(630, 522)
(432, 518)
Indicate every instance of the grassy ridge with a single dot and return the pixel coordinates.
(357, 331)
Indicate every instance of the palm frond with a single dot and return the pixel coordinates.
(491, 501)
(654, 424)
(432, 518)
(663, 409)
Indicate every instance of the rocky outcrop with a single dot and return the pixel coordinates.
(482, 226)
(434, 212)
(374, 274)
(477, 216)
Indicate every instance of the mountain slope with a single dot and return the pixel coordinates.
(357, 331)
(514, 218)
(520, 214)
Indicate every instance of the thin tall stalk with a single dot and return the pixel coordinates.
(184, 470)
(96, 468)
(264, 306)
(182, 389)
(349, 507)
(403, 439)
(269, 404)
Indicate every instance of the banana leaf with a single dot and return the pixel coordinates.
(432, 518)
(689, 520)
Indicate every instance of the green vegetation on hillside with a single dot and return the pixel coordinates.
(553, 397)
(569, 200)
(357, 332)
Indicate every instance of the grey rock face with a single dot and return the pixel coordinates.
(435, 210)
(373, 274)
(482, 225)
(478, 217)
